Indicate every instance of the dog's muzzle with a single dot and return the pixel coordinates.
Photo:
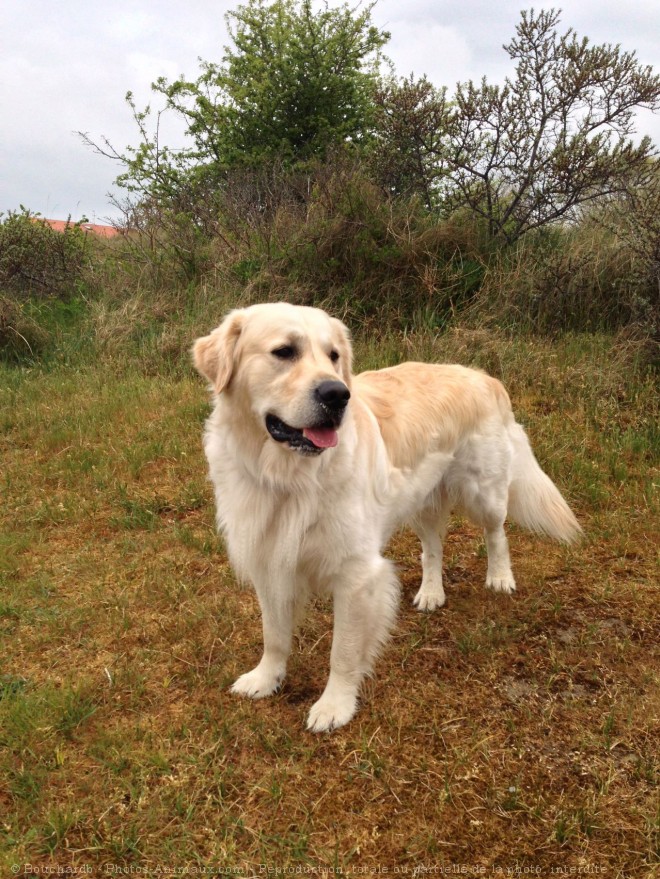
(330, 398)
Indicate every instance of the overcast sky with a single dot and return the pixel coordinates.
(66, 66)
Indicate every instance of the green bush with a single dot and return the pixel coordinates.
(38, 262)
(343, 242)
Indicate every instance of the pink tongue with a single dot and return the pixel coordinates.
(322, 437)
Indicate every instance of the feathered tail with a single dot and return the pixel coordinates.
(534, 500)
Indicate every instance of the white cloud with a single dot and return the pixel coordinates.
(426, 48)
(132, 25)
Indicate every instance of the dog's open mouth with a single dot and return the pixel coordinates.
(308, 440)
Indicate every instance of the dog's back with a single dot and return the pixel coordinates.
(423, 408)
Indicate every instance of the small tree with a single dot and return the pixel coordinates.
(556, 136)
(411, 122)
(296, 83)
(525, 154)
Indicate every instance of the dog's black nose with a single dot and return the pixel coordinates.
(333, 395)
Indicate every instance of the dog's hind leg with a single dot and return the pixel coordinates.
(430, 525)
(488, 509)
(278, 610)
(365, 605)
(499, 576)
(482, 482)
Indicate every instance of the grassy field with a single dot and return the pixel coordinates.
(500, 734)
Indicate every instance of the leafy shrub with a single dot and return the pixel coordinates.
(37, 261)
(339, 240)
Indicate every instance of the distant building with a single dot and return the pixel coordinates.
(94, 228)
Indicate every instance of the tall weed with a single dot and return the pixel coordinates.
(580, 278)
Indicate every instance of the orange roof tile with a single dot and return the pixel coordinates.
(95, 228)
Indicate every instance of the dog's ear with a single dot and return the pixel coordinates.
(343, 341)
(214, 355)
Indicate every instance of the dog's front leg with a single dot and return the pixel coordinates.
(276, 600)
(365, 605)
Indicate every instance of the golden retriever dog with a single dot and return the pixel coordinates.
(314, 468)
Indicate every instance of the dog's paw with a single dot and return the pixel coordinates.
(428, 601)
(331, 713)
(501, 583)
(257, 684)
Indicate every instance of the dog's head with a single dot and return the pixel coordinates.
(286, 366)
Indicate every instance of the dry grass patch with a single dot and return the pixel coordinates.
(499, 732)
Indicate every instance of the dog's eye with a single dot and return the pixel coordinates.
(334, 356)
(285, 352)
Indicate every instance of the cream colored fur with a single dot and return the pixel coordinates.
(416, 441)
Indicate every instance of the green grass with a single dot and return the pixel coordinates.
(497, 731)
